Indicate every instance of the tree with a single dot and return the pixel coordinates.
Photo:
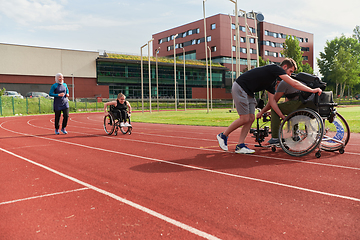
(262, 62)
(292, 50)
(2, 91)
(356, 34)
(339, 63)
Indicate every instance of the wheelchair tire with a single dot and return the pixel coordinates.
(109, 124)
(301, 132)
(338, 130)
(126, 130)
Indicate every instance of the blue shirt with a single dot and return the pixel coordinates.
(60, 103)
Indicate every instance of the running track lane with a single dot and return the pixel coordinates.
(180, 175)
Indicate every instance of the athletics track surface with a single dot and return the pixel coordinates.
(167, 182)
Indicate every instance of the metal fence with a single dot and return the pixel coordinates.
(10, 106)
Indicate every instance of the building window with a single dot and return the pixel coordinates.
(306, 40)
(193, 42)
(184, 34)
(233, 26)
(169, 48)
(160, 41)
(242, 39)
(233, 48)
(234, 37)
(213, 26)
(306, 58)
(213, 49)
(252, 40)
(266, 32)
(208, 39)
(266, 53)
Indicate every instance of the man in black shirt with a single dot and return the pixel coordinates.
(243, 92)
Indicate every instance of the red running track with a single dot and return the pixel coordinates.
(167, 182)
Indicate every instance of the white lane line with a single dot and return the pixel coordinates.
(197, 148)
(198, 168)
(120, 199)
(43, 196)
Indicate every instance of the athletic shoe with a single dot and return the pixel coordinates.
(242, 148)
(57, 131)
(63, 131)
(127, 125)
(274, 141)
(122, 124)
(222, 139)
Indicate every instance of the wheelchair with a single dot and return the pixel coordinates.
(112, 123)
(305, 130)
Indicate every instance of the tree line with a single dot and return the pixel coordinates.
(339, 63)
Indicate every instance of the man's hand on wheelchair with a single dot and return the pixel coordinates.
(317, 90)
(106, 114)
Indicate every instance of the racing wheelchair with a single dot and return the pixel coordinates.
(304, 130)
(112, 123)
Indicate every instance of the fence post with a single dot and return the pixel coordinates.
(39, 107)
(27, 106)
(13, 107)
(0, 106)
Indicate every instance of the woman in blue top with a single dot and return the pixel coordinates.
(60, 92)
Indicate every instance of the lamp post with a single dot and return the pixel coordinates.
(142, 79)
(184, 80)
(237, 39)
(232, 57)
(157, 79)
(73, 88)
(149, 72)
(206, 59)
(175, 71)
(210, 79)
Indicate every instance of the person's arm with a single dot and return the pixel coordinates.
(52, 89)
(67, 90)
(107, 104)
(274, 105)
(298, 85)
(129, 106)
(267, 107)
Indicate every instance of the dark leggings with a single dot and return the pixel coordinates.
(120, 114)
(65, 118)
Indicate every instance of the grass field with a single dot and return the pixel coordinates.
(223, 117)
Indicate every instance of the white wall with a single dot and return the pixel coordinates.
(39, 61)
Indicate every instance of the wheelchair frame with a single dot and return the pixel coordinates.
(304, 130)
(112, 125)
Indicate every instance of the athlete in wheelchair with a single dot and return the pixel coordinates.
(311, 121)
(118, 117)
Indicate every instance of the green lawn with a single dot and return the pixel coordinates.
(223, 117)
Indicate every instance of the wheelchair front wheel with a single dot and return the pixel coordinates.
(336, 134)
(126, 129)
(301, 132)
(109, 124)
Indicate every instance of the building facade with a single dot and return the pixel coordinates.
(33, 69)
(221, 39)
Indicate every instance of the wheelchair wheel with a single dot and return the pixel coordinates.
(126, 129)
(301, 132)
(336, 134)
(109, 124)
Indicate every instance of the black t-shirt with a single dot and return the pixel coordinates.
(121, 107)
(261, 78)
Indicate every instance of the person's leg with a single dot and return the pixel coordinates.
(65, 120)
(286, 108)
(241, 104)
(57, 119)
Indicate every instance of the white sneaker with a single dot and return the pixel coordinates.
(222, 139)
(127, 125)
(242, 148)
(122, 124)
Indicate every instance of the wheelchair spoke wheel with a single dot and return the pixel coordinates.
(126, 128)
(109, 124)
(336, 134)
(301, 132)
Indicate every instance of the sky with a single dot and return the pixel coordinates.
(124, 26)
